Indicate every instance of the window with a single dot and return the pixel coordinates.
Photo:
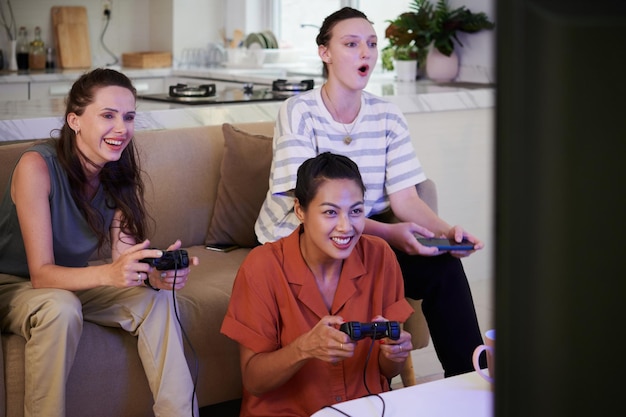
(379, 11)
(298, 21)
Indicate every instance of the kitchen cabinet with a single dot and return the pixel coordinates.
(149, 85)
(14, 91)
(43, 89)
(49, 89)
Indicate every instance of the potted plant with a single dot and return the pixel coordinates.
(446, 22)
(431, 29)
(409, 35)
(442, 62)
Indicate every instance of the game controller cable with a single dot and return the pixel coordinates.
(186, 337)
(172, 260)
(367, 359)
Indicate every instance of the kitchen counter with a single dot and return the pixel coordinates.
(28, 119)
(72, 74)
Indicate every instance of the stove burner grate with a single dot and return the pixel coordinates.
(184, 90)
(292, 87)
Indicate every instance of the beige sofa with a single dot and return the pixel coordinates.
(201, 188)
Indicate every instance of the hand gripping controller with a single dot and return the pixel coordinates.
(175, 259)
(375, 329)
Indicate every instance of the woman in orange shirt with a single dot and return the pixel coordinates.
(291, 296)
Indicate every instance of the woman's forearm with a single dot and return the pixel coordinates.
(389, 368)
(71, 279)
(410, 208)
(266, 371)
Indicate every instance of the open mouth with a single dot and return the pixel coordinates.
(364, 69)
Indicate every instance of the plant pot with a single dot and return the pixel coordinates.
(441, 68)
(406, 70)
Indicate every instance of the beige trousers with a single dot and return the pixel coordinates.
(51, 321)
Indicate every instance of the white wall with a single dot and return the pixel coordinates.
(477, 56)
(456, 151)
(196, 23)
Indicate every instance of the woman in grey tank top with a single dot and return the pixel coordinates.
(69, 197)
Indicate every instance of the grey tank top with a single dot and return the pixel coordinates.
(73, 240)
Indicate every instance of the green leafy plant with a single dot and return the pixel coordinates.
(411, 33)
(446, 22)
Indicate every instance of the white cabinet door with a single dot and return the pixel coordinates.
(149, 85)
(13, 91)
(39, 90)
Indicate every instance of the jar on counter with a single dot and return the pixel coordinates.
(23, 49)
(37, 56)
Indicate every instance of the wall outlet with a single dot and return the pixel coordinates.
(107, 5)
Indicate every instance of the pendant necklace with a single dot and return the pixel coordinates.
(348, 138)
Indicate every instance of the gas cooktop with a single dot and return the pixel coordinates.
(208, 94)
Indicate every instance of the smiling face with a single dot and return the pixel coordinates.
(333, 221)
(106, 126)
(351, 53)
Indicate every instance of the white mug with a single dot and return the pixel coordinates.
(490, 348)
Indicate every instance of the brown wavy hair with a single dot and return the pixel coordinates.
(120, 179)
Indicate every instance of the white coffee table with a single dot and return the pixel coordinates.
(466, 395)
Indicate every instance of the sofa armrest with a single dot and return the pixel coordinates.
(427, 191)
(416, 324)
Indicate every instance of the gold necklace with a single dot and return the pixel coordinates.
(348, 138)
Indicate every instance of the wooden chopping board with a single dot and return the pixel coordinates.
(71, 36)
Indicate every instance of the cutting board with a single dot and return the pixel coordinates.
(71, 36)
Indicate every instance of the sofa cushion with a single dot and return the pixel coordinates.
(181, 174)
(11, 153)
(244, 174)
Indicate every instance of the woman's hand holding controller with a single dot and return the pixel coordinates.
(395, 350)
(402, 236)
(458, 234)
(174, 279)
(325, 342)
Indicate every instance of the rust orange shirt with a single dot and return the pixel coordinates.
(275, 299)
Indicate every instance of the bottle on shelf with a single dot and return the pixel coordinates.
(50, 60)
(22, 50)
(37, 56)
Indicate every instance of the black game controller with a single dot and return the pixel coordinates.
(375, 329)
(174, 259)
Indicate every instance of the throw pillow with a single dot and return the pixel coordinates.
(242, 188)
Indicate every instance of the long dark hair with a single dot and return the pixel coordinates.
(325, 33)
(121, 180)
(326, 166)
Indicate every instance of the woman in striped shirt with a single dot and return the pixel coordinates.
(342, 118)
